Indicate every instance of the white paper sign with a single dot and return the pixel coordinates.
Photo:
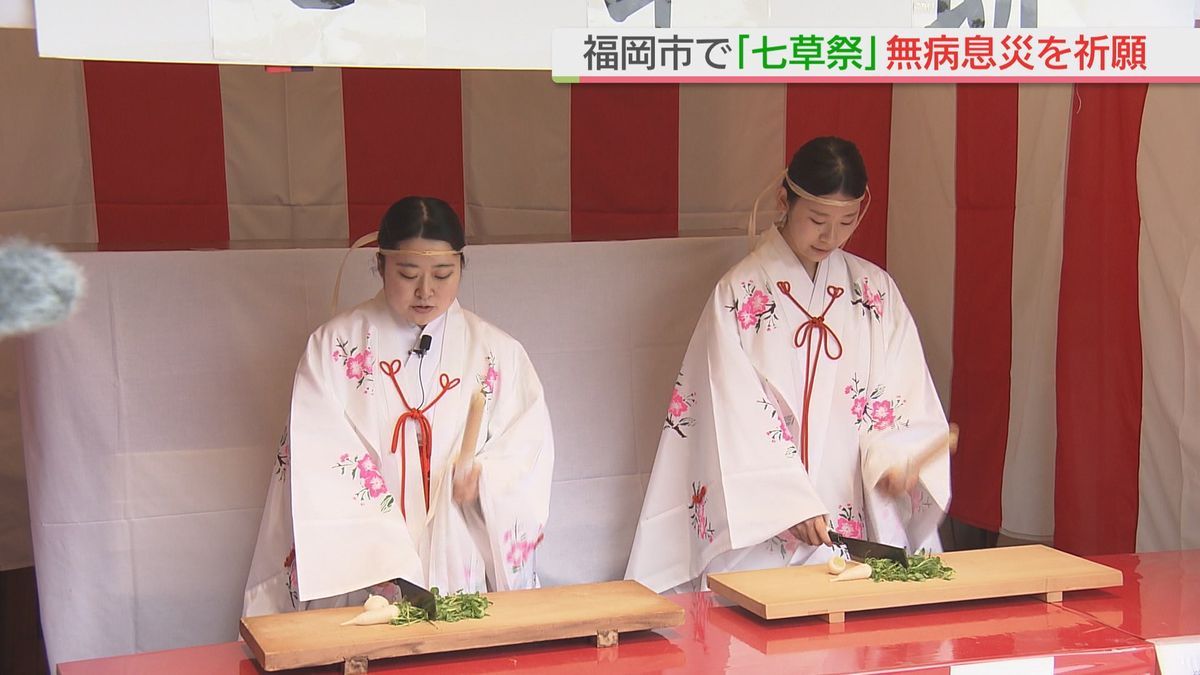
(1178, 655)
(319, 32)
(483, 34)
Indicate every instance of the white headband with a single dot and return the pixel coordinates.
(752, 226)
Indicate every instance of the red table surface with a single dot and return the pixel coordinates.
(1160, 597)
(719, 638)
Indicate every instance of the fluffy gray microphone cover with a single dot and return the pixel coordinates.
(38, 286)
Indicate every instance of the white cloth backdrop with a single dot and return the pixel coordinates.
(150, 418)
(464, 33)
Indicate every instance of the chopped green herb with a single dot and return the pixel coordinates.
(920, 568)
(450, 608)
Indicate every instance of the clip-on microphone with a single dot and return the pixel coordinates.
(425, 344)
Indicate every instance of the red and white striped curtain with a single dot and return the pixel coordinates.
(1043, 235)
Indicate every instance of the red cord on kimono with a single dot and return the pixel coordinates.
(424, 430)
(823, 341)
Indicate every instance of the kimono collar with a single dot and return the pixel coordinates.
(815, 336)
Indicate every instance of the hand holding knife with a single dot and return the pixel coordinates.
(861, 549)
(896, 481)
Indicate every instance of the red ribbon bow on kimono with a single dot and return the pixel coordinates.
(424, 430)
(823, 342)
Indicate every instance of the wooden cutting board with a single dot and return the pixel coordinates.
(987, 573)
(315, 638)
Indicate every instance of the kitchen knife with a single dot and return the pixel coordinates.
(418, 596)
(860, 549)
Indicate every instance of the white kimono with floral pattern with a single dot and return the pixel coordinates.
(344, 514)
(729, 478)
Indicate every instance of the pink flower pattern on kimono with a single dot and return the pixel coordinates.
(755, 310)
(784, 431)
(375, 486)
(359, 363)
(757, 302)
(869, 299)
(520, 547)
(859, 408)
(677, 410)
(365, 464)
(699, 518)
(873, 409)
(678, 406)
(489, 382)
(883, 414)
(779, 432)
(370, 481)
(848, 523)
(745, 319)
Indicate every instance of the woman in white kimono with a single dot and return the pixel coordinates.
(802, 401)
(365, 487)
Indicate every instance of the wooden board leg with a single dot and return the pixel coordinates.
(1053, 596)
(836, 617)
(606, 638)
(355, 665)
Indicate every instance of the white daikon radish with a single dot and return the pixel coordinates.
(374, 616)
(376, 602)
(854, 571)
